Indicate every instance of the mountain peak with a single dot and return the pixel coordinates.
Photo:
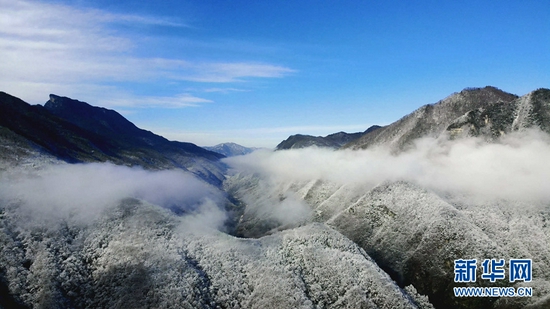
(76, 131)
(230, 149)
(67, 105)
(100, 120)
(480, 94)
(54, 98)
(491, 122)
(432, 119)
(335, 140)
(486, 88)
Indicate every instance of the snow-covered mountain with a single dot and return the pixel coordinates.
(335, 140)
(432, 119)
(498, 119)
(380, 227)
(138, 255)
(230, 149)
(412, 232)
(417, 204)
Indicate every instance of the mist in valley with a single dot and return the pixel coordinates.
(395, 207)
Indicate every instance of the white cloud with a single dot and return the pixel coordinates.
(183, 100)
(65, 47)
(516, 168)
(234, 72)
(225, 90)
(83, 191)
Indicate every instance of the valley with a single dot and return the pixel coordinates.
(96, 212)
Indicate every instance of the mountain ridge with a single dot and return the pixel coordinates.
(109, 123)
(77, 132)
(334, 140)
(431, 119)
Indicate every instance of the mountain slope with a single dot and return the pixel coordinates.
(75, 131)
(415, 212)
(16, 150)
(493, 121)
(50, 133)
(111, 125)
(137, 255)
(412, 233)
(431, 120)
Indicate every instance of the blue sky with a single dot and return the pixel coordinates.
(255, 72)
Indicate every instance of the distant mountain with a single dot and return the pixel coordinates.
(230, 149)
(334, 141)
(432, 119)
(75, 131)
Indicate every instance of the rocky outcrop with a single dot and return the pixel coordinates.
(530, 111)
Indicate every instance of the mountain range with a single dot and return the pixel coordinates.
(87, 214)
(488, 112)
(413, 232)
(75, 131)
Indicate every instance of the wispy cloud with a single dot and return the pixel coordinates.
(178, 101)
(144, 20)
(514, 168)
(224, 90)
(71, 47)
(234, 72)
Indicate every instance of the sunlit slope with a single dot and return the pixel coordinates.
(496, 120)
(431, 120)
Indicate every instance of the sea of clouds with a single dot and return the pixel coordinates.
(516, 167)
(83, 192)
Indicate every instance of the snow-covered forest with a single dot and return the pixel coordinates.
(308, 228)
